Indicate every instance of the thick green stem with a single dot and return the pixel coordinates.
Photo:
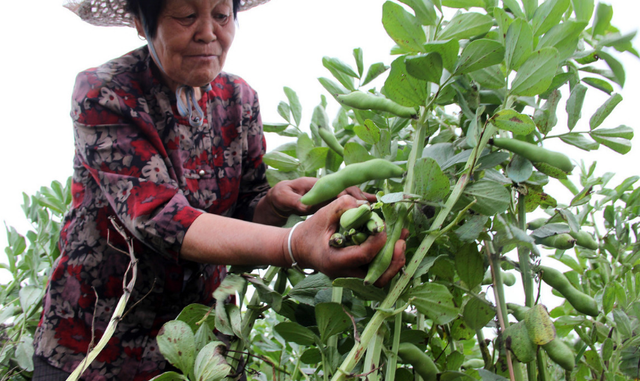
(250, 316)
(525, 269)
(392, 362)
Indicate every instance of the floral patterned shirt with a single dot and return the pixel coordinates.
(137, 161)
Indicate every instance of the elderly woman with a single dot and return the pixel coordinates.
(170, 148)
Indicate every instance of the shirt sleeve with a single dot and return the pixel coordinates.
(254, 184)
(118, 144)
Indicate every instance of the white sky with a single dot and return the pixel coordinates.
(277, 44)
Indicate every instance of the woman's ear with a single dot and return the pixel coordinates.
(139, 28)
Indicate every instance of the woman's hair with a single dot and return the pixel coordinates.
(149, 11)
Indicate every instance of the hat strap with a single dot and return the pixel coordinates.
(185, 110)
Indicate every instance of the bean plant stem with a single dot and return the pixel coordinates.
(525, 268)
(378, 318)
(392, 358)
(250, 316)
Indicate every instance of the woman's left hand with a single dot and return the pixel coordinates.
(285, 196)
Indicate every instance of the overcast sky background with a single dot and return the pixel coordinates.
(277, 44)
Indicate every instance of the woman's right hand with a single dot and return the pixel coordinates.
(311, 249)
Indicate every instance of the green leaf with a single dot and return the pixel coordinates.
(280, 161)
(513, 121)
(604, 111)
(466, 25)
(194, 313)
(489, 78)
(519, 169)
(374, 72)
(602, 19)
(514, 8)
(539, 325)
(210, 363)
(621, 146)
(30, 296)
(519, 44)
(530, 7)
(176, 342)
(435, 301)
(599, 84)
(479, 54)
(24, 353)
(331, 320)
(478, 312)
(294, 103)
(306, 290)
(623, 132)
(574, 105)
(463, 3)
(536, 74)
(366, 292)
(615, 66)
(316, 159)
(545, 117)
(403, 27)
(355, 153)
(448, 51)
(204, 335)
(583, 9)
(359, 57)
(267, 295)
(369, 133)
(424, 11)
(275, 127)
(623, 323)
(517, 337)
(332, 87)
(335, 64)
(472, 228)
(469, 265)
(617, 40)
(427, 67)
(580, 141)
(491, 197)
(430, 182)
(548, 15)
(563, 37)
(403, 88)
(296, 333)
(170, 376)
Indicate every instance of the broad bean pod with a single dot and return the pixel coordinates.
(367, 101)
(534, 153)
(580, 301)
(331, 185)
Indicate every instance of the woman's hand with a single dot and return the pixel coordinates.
(284, 197)
(311, 249)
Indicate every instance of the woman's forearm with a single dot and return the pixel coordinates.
(228, 241)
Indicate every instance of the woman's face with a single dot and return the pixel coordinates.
(193, 39)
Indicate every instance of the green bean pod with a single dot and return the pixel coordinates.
(562, 241)
(560, 353)
(359, 238)
(580, 301)
(534, 153)
(519, 312)
(375, 224)
(355, 217)
(585, 239)
(331, 141)
(422, 364)
(331, 185)
(337, 240)
(382, 260)
(367, 101)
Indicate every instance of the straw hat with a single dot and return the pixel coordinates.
(113, 12)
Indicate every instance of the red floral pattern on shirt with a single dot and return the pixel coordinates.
(138, 162)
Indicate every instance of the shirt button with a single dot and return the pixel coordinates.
(202, 172)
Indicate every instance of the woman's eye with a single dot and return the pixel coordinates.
(222, 18)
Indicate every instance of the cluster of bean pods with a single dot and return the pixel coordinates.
(356, 224)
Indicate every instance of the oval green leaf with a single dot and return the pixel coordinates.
(176, 342)
(479, 54)
(435, 301)
(467, 25)
(519, 44)
(513, 121)
(403, 27)
(427, 67)
(536, 73)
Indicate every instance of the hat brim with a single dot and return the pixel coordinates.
(113, 12)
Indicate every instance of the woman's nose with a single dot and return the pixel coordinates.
(207, 30)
